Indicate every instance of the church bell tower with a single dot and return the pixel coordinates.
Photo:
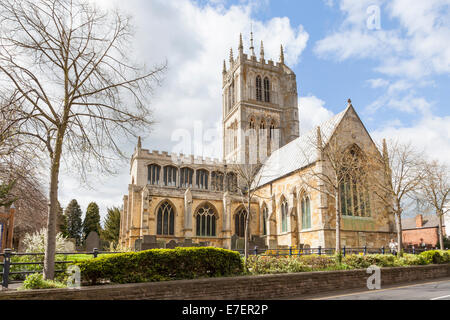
(260, 105)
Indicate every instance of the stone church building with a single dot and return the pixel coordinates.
(176, 197)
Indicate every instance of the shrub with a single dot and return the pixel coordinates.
(161, 264)
(361, 262)
(36, 242)
(36, 281)
(286, 264)
(412, 259)
(436, 256)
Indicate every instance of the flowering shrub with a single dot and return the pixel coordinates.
(36, 242)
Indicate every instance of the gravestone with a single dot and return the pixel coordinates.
(234, 239)
(187, 243)
(150, 242)
(138, 245)
(92, 241)
(172, 244)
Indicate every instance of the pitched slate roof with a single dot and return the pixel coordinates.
(430, 221)
(298, 153)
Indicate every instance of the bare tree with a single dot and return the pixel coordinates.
(65, 69)
(434, 191)
(22, 184)
(402, 174)
(248, 183)
(336, 162)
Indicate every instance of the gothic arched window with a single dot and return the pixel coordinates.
(284, 216)
(272, 130)
(153, 174)
(217, 181)
(306, 212)
(252, 123)
(165, 220)
(239, 222)
(170, 176)
(206, 221)
(258, 88)
(354, 191)
(231, 182)
(266, 90)
(202, 179)
(186, 175)
(265, 215)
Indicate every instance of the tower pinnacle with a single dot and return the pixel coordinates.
(231, 56)
(262, 51)
(252, 48)
(282, 55)
(241, 45)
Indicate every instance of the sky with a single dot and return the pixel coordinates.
(392, 58)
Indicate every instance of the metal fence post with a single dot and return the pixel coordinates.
(343, 251)
(382, 249)
(95, 252)
(290, 251)
(256, 251)
(6, 266)
(320, 250)
(413, 250)
(365, 250)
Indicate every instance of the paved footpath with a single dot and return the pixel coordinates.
(438, 289)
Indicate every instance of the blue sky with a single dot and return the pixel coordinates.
(397, 76)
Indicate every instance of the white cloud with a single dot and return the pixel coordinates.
(195, 40)
(431, 134)
(418, 47)
(312, 113)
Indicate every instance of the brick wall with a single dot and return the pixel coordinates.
(235, 288)
(429, 235)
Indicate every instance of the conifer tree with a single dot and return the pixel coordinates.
(92, 220)
(112, 225)
(74, 223)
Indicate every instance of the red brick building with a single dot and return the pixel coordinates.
(421, 228)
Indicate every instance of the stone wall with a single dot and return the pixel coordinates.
(239, 288)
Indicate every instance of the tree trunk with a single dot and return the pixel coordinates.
(441, 235)
(247, 222)
(49, 259)
(338, 225)
(399, 234)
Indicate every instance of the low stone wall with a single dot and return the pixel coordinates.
(239, 288)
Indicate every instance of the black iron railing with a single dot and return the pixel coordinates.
(293, 251)
(6, 263)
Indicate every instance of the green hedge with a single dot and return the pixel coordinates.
(161, 264)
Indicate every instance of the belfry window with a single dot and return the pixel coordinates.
(153, 174)
(258, 88)
(266, 90)
(165, 221)
(206, 221)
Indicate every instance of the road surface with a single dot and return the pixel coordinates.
(438, 289)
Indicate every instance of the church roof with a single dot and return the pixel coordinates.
(298, 153)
